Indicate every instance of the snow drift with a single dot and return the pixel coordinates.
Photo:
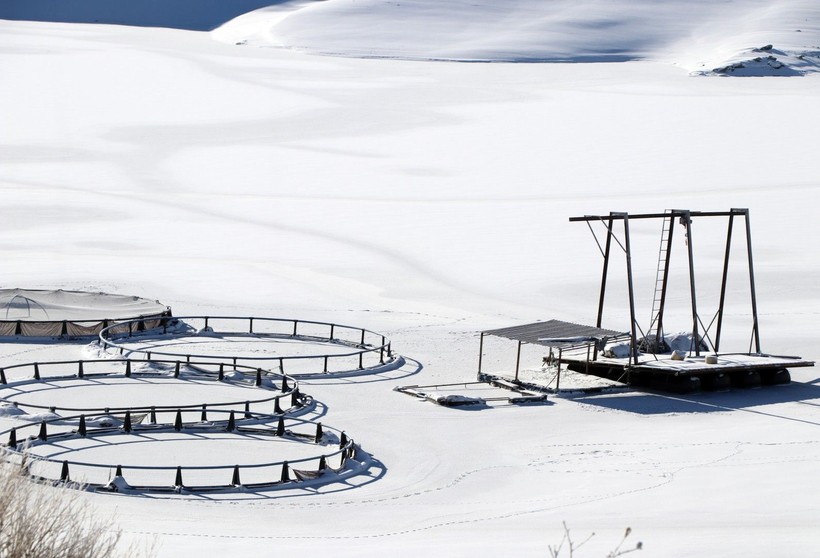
(700, 35)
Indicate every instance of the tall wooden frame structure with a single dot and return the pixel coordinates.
(649, 361)
(684, 217)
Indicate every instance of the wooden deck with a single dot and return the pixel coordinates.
(691, 373)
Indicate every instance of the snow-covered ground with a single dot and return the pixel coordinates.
(429, 200)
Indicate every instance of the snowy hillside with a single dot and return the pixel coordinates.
(698, 35)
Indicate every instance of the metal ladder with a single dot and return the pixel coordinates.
(664, 252)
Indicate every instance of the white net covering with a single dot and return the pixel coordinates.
(44, 313)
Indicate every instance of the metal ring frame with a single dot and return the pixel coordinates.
(312, 470)
(366, 343)
(303, 471)
(289, 386)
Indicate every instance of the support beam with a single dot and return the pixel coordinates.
(687, 221)
(517, 360)
(755, 329)
(674, 213)
(723, 281)
(480, 351)
(604, 272)
(631, 288)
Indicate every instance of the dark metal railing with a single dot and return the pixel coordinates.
(43, 372)
(311, 468)
(366, 344)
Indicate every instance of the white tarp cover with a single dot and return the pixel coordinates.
(42, 313)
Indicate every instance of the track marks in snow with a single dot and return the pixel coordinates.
(723, 454)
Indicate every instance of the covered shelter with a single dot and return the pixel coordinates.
(553, 334)
(58, 313)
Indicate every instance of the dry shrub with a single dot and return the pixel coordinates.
(572, 546)
(38, 520)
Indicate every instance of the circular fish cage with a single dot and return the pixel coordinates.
(115, 387)
(119, 458)
(59, 313)
(298, 348)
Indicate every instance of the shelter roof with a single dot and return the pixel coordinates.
(554, 333)
(59, 305)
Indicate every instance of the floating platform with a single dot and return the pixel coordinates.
(579, 349)
(664, 364)
(691, 373)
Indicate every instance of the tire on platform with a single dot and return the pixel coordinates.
(746, 379)
(776, 377)
(676, 384)
(716, 382)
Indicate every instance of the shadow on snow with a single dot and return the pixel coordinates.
(751, 400)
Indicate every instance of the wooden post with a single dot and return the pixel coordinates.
(604, 272)
(630, 286)
(517, 360)
(755, 330)
(480, 351)
(723, 281)
(692, 292)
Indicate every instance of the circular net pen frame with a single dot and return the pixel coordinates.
(278, 394)
(334, 457)
(324, 348)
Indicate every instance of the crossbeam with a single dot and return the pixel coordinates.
(673, 213)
